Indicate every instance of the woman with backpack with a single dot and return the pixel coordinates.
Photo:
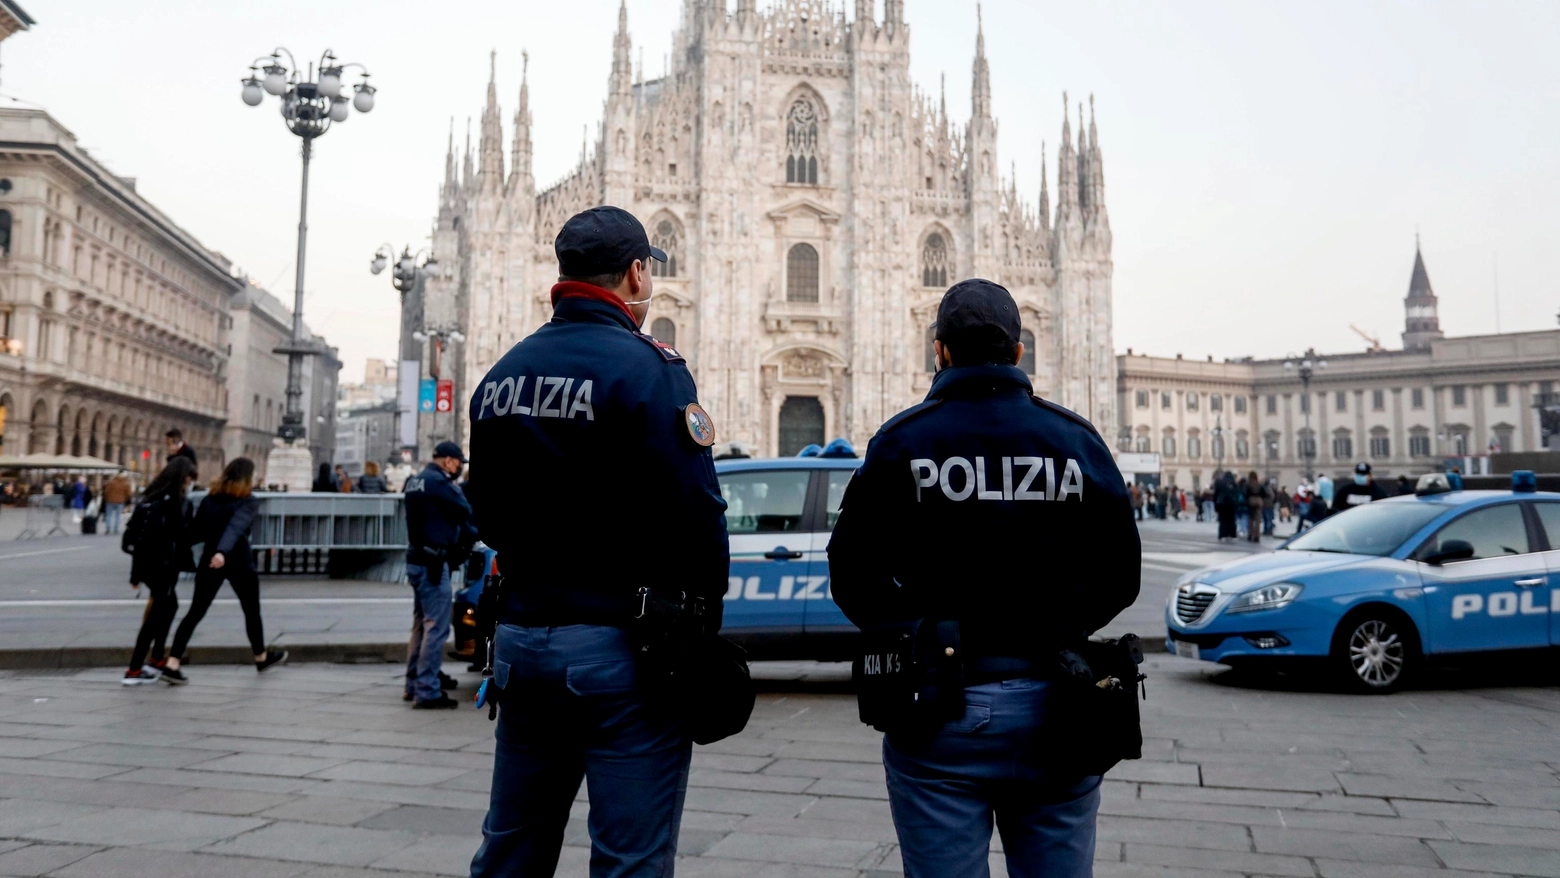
(222, 524)
(157, 540)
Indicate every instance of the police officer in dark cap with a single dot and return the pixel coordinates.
(1002, 512)
(439, 532)
(598, 427)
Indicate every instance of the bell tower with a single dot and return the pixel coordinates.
(1421, 324)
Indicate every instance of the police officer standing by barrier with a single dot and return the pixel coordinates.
(440, 532)
(989, 532)
(598, 427)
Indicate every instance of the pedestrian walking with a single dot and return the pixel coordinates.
(116, 494)
(590, 438)
(1269, 506)
(371, 482)
(1138, 499)
(78, 499)
(324, 481)
(157, 541)
(1225, 500)
(1324, 489)
(440, 534)
(222, 525)
(173, 440)
(1286, 503)
(1254, 506)
(982, 755)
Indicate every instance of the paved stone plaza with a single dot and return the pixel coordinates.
(321, 770)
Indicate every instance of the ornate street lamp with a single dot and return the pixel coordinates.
(1307, 368)
(310, 104)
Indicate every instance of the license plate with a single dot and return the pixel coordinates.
(1187, 649)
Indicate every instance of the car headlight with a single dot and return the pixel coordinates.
(1268, 597)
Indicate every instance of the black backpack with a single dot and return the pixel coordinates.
(149, 524)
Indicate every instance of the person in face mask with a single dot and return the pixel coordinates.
(1363, 489)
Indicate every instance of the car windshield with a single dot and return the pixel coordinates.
(1371, 529)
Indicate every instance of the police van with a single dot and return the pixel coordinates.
(779, 516)
(1376, 589)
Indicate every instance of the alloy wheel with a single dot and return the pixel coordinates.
(1377, 653)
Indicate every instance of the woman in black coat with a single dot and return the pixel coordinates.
(157, 540)
(222, 523)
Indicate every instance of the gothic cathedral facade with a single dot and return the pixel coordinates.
(814, 204)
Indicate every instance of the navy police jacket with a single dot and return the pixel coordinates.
(593, 476)
(991, 506)
(437, 513)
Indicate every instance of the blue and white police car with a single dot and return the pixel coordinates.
(1376, 589)
(779, 516)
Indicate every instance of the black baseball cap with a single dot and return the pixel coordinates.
(602, 240)
(975, 303)
(1362, 468)
(449, 449)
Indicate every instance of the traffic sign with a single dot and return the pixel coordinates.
(446, 395)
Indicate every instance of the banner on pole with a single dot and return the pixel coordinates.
(425, 395)
(445, 396)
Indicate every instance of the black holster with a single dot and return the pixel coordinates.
(1092, 716)
(685, 665)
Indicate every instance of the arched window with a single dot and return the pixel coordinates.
(801, 143)
(665, 238)
(934, 261)
(1168, 445)
(931, 352)
(801, 274)
(1194, 447)
(664, 330)
(1026, 362)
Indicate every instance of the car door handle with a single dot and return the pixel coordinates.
(782, 553)
(1530, 583)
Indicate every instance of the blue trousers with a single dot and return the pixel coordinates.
(571, 710)
(945, 789)
(430, 629)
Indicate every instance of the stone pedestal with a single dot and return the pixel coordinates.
(290, 465)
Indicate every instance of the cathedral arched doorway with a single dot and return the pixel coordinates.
(801, 424)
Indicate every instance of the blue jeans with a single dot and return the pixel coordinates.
(572, 710)
(944, 791)
(111, 515)
(1267, 519)
(430, 628)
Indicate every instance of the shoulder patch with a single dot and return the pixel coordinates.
(1065, 412)
(667, 352)
(907, 414)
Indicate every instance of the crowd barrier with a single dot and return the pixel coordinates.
(345, 536)
(45, 517)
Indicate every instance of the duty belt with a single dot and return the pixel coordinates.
(994, 669)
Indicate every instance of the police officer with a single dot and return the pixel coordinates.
(1363, 489)
(439, 530)
(597, 481)
(991, 507)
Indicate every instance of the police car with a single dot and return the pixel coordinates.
(779, 516)
(1376, 589)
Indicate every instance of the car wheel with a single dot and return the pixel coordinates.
(1375, 651)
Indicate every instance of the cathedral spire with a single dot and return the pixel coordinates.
(520, 154)
(1045, 196)
(622, 65)
(468, 172)
(980, 88)
(1096, 179)
(1066, 170)
(491, 146)
(449, 157)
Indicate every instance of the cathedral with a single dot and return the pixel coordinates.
(814, 205)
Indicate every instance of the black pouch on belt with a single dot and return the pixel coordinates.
(909, 676)
(1093, 720)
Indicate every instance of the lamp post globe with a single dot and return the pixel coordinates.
(308, 109)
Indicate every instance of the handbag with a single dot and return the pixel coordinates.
(688, 667)
(1093, 720)
(909, 676)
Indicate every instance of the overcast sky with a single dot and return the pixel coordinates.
(1266, 164)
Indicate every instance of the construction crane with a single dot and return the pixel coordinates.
(1376, 346)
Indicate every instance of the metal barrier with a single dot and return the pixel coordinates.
(45, 514)
(345, 536)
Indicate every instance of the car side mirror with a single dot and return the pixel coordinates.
(1451, 550)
